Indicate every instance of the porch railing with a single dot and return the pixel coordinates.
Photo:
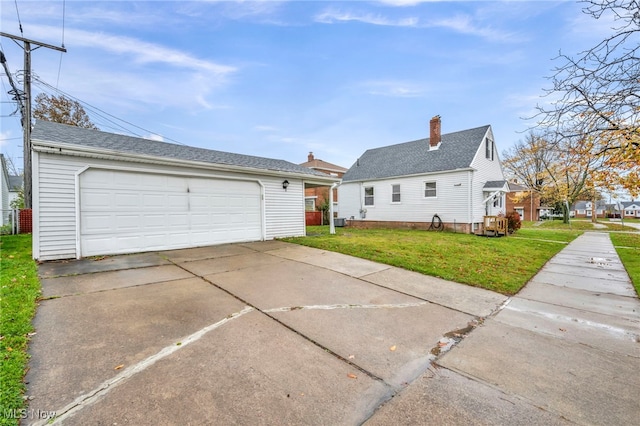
(495, 226)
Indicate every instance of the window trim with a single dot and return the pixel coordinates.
(489, 148)
(399, 193)
(424, 189)
(372, 196)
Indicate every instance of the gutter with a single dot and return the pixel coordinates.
(81, 151)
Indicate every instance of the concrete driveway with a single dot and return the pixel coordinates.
(264, 332)
(275, 333)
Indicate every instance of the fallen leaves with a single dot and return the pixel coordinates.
(352, 376)
(393, 348)
(118, 367)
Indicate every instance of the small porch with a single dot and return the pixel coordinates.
(494, 226)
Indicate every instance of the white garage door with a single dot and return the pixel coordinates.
(128, 212)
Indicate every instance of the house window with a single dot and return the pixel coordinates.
(430, 189)
(489, 149)
(497, 201)
(395, 193)
(310, 204)
(520, 211)
(368, 196)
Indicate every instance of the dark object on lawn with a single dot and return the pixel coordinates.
(436, 223)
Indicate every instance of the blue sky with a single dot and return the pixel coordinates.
(280, 79)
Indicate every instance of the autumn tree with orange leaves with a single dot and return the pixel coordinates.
(60, 109)
(561, 171)
(597, 106)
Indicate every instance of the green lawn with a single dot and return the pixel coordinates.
(503, 264)
(628, 248)
(19, 290)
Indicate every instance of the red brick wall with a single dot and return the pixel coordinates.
(380, 224)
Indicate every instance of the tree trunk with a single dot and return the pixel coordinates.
(565, 213)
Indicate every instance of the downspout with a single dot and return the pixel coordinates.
(332, 226)
(470, 189)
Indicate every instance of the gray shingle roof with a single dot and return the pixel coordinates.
(15, 183)
(61, 133)
(456, 152)
(495, 184)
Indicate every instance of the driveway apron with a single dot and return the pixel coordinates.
(261, 333)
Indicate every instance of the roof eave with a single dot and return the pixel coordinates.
(108, 154)
(466, 169)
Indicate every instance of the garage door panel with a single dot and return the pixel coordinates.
(123, 212)
(126, 201)
(95, 223)
(126, 222)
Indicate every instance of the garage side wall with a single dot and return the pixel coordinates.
(54, 203)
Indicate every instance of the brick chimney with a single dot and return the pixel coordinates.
(310, 157)
(435, 137)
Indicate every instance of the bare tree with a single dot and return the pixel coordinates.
(599, 91)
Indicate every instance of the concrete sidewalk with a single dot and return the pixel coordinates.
(568, 343)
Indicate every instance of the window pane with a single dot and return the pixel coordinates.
(368, 196)
(430, 189)
(395, 193)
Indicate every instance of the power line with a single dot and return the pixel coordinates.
(110, 118)
(62, 43)
(18, 13)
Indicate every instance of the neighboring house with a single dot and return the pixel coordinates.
(4, 192)
(15, 186)
(457, 176)
(584, 209)
(97, 193)
(316, 196)
(631, 208)
(524, 201)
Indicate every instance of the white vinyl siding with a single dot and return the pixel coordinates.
(55, 202)
(4, 189)
(350, 200)
(486, 171)
(284, 209)
(451, 203)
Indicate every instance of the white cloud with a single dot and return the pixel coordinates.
(155, 137)
(140, 51)
(406, 2)
(465, 24)
(331, 16)
(395, 89)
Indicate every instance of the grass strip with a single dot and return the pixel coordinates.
(503, 265)
(628, 248)
(19, 290)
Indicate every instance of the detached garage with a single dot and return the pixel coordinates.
(97, 193)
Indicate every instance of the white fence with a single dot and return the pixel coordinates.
(10, 221)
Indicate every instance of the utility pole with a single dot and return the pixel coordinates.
(26, 118)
